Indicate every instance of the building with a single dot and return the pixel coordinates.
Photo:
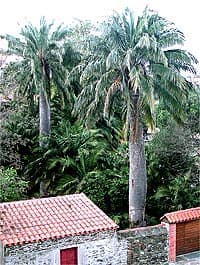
(62, 230)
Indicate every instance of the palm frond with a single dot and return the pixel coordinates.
(181, 60)
(116, 85)
(171, 37)
(128, 25)
(91, 69)
(148, 101)
(113, 59)
(60, 33)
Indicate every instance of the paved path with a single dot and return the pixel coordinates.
(188, 259)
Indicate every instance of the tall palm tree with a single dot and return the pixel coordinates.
(39, 64)
(39, 53)
(136, 61)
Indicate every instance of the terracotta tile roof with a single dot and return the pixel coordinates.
(182, 216)
(49, 218)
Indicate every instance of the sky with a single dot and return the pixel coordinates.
(184, 13)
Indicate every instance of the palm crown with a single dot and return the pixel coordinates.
(139, 55)
(40, 56)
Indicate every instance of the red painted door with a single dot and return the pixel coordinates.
(69, 256)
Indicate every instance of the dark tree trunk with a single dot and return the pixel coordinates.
(137, 169)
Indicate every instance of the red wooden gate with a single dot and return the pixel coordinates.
(69, 256)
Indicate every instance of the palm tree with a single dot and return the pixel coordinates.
(39, 65)
(136, 62)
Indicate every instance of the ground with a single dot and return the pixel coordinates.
(188, 259)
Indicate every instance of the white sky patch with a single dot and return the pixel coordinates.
(185, 14)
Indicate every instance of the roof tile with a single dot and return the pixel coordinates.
(47, 218)
(182, 216)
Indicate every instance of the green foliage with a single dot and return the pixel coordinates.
(173, 164)
(172, 146)
(108, 185)
(73, 151)
(180, 194)
(12, 187)
(193, 111)
(18, 127)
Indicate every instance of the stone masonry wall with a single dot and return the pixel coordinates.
(146, 245)
(95, 249)
(139, 246)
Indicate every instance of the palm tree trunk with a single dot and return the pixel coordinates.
(44, 118)
(44, 129)
(137, 166)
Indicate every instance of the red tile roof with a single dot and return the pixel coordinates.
(182, 216)
(49, 218)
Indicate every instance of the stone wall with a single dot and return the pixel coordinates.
(139, 246)
(146, 245)
(99, 249)
(1, 254)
